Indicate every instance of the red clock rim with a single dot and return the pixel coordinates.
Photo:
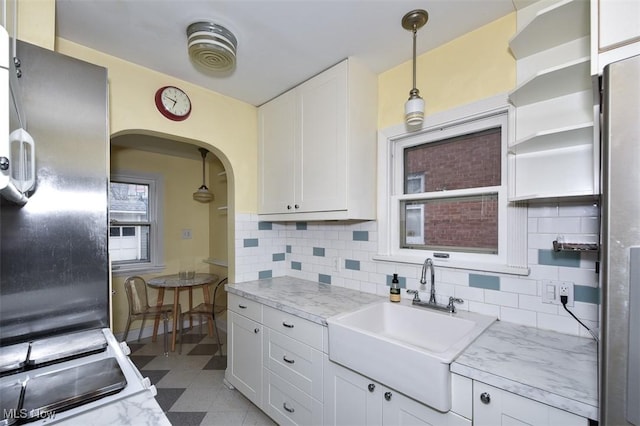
(163, 111)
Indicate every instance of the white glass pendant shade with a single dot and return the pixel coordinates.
(414, 111)
(203, 195)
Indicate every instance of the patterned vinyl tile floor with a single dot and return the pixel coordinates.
(190, 387)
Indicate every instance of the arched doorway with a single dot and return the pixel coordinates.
(186, 231)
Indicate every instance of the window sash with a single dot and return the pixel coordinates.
(398, 188)
(153, 245)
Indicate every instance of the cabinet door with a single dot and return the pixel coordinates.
(619, 23)
(495, 407)
(322, 152)
(349, 398)
(399, 410)
(244, 369)
(277, 130)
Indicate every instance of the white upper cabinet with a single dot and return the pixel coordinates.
(615, 29)
(317, 148)
(554, 152)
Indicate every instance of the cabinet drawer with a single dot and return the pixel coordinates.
(295, 327)
(245, 307)
(296, 362)
(287, 405)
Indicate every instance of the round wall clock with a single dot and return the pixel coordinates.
(173, 103)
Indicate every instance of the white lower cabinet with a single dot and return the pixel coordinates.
(244, 356)
(353, 399)
(275, 359)
(497, 407)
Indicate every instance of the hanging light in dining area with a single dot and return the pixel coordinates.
(203, 194)
(414, 107)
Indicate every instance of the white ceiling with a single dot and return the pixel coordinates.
(280, 42)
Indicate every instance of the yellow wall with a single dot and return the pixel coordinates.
(37, 22)
(472, 67)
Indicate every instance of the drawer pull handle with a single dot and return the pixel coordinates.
(242, 307)
(485, 397)
(287, 325)
(291, 410)
(387, 396)
(371, 387)
(290, 361)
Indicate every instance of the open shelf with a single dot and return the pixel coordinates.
(558, 24)
(553, 82)
(545, 140)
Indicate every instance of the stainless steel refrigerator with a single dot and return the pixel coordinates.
(620, 273)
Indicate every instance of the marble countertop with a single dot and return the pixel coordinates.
(313, 301)
(135, 410)
(552, 368)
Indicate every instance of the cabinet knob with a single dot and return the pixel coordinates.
(288, 206)
(371, 387)
(387, 396)
(256, 330)
(485, 397)
(297, 206)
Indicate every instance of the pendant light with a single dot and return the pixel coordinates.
(203, 194)
(414, 107)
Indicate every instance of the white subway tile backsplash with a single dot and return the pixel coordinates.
(501, 298)
(565, 225)
(516, 299)
(518, 316)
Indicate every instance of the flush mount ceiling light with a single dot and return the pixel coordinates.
(203, 194)
(414, 107)
(211, 46)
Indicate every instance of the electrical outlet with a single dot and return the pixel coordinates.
(552, 290)
(565, 288)
(186, 234)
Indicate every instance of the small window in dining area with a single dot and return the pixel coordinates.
(134, 231)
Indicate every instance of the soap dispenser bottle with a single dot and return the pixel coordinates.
(394, 291)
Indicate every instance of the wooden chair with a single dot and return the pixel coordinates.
(139, 308)
(217, 306)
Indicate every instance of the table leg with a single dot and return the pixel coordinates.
(176, 317)
(157, 320)
(190, 307)
(205, 293)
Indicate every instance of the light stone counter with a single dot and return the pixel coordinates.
(140, 409)
(556, 369)
(552, 368)
(312, 301)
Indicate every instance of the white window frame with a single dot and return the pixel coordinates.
(512, 216)
(156, 223)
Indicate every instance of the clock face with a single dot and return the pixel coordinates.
(173, 103)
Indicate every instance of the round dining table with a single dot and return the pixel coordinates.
(177, 283)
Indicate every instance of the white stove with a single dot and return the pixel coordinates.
(66, 376)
